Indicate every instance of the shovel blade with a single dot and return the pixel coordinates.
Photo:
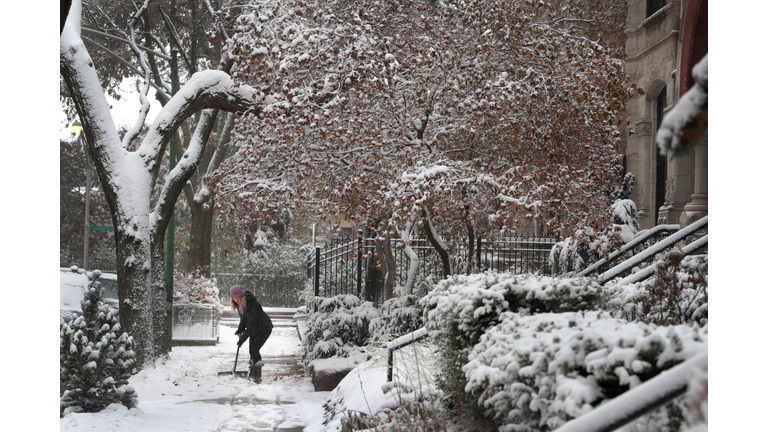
(237, 374)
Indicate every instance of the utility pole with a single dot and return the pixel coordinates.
(169, 252)
(77, 128)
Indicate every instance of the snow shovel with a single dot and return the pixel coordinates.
(235, 372)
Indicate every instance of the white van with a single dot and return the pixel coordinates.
(73, 283)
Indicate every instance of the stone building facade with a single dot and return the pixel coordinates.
(664, 40)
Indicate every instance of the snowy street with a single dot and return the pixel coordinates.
(186, 393)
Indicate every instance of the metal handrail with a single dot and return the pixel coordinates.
(638, 401)
(647, 254)
(645, 236)
(402, 342)
(651, 269)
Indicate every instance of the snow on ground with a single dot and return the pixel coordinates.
(186, 393)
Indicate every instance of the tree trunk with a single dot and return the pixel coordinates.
(471, 234)
(413, 266)
(160, 306)
(134, 291)
(128, 178)
(438, 244)
(201, 227)
(389, 260)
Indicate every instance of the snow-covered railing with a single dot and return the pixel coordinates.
(644, 237)
(402, 342)
(648, 254)
(640, 400)
(651, 269)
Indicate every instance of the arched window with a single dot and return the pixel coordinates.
(661, 160)
(653, 6)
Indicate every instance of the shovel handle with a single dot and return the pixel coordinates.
(236, 354)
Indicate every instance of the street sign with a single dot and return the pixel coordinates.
(102, 228)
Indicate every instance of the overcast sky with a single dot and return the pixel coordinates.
(124, 111)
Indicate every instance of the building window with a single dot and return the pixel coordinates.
(661, 160)
(653, 6)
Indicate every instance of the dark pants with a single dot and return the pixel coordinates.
(256, 342)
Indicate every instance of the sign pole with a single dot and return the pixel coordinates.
(171, 223)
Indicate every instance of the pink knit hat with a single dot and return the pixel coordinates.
(236, 291)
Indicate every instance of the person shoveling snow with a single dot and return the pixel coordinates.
(254, 324)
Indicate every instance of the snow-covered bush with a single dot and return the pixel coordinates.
(534, 373)
(195, 288)
(95, 358)
(588, 246)
(462, 308)
(676, 294)
(337, 327)
(363, 400)
(399, 316)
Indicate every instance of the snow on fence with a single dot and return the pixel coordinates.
(348, 265)
(195, 324)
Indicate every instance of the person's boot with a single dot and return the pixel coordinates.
(255, 374)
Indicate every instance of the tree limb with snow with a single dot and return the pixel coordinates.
(129, 176)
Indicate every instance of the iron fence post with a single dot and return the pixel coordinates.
(317, 271)
(479, 245)
(359, 260)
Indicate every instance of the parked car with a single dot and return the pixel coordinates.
(74, 282)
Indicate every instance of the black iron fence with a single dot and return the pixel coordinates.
(272, 290)
(350, 265)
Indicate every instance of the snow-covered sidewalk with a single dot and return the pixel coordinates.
(186, 393)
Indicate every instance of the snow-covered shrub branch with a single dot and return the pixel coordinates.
(399, 316)
(338, 326)
(676, 294)
(195, 287)
(534, 373)
(462, 308)
(587, 245)
(95, 357)
(685, 124)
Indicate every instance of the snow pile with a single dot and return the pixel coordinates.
(537, 372)
(364, 400)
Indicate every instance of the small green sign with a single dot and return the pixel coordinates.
(102, 228)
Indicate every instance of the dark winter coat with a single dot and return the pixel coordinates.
(254, 321)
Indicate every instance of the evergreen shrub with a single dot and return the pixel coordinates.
(535, 373)
(399, 316)
(463, 308)
(96, 359)
(336, 327)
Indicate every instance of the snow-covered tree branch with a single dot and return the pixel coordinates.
(128, 177)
